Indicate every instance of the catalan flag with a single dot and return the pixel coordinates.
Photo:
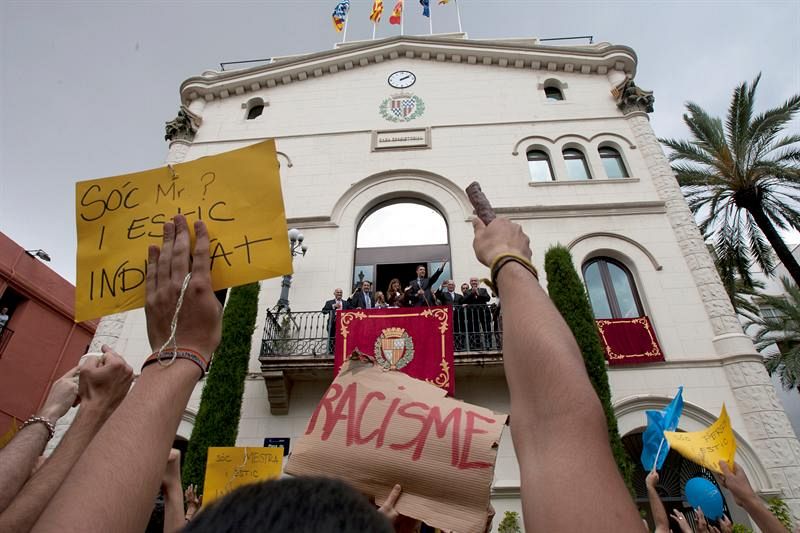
(443, 2)
(377, 11)
(340, 14)
(397, 13)
(426, 8)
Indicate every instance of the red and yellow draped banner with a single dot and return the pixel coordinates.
(629, 341)
(415, 341)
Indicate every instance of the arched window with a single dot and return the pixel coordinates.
(553, 93)
(255, 111)
(612, 162)
(577, 169)
(395, 237)
(611, 288)
(539, 166)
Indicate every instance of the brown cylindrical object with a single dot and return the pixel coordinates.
(481, 204)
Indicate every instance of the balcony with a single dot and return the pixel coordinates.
(5, 336)
(299, 346)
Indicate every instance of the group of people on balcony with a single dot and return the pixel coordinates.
(475, 320)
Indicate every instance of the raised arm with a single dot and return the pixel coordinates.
(568, 476)
(18, 457)
(432, 281)
(736, 481)
(104, 382)
(656, 507)
(174, 515)
(112, 486)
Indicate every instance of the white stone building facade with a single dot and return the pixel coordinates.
(485, 107)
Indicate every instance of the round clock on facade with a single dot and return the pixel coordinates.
(402, 79)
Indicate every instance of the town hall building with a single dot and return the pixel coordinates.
(560, 141)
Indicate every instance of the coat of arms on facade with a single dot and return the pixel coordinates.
(394, 348)
(402, 107)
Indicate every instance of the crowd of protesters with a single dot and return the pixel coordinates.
(116, 455)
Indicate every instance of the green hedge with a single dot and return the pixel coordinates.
(217, 422)
(568, 293)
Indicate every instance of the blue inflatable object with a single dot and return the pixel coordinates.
(701, 493)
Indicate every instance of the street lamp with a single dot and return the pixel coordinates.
(296, 247)
(41, 254)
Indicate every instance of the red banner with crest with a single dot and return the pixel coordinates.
(417, 341)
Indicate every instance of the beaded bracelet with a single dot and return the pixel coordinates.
(502, 260)
(180, 353)
(51, 429)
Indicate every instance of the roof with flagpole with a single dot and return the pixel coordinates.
(530, 53)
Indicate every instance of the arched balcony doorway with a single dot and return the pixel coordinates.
(394, 237)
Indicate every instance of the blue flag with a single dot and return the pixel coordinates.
(426, 8)
(654, 445)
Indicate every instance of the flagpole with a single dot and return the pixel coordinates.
(458, 14)
(655, 462)
(430, 17)
(374, 25)
(344, 35)
(402, 16)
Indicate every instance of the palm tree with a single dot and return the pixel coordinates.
(742, 178)
(783, 330)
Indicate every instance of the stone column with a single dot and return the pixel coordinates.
(768, 428)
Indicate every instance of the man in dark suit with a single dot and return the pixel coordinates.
(362, 298)
(330, 308)
(419, 290)
(477, 318)
(447, 295)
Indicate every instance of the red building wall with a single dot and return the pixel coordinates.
(45, 342)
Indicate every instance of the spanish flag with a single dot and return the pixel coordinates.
(377, 11)
(397, 13)
(340, 14)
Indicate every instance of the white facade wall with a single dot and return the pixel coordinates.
(482, 119)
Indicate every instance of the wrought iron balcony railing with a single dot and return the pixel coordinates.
(476, 328)
(5, 336)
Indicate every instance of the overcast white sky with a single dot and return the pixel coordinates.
(87, 86)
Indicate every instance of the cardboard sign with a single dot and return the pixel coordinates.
(237, 194)
(708, 447)
(374, 428)
(228, 468)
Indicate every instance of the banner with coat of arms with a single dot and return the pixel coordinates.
(417, 341)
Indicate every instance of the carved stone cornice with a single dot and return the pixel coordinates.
(600, 58)
(631, 99)
(183, 127)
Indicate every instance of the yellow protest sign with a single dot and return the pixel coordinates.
(232, 467)
(237, 194)
(709, 446)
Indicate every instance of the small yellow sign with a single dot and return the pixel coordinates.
(709, 446)
(237, 194)
(229, 468)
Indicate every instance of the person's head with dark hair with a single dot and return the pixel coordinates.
(297, 505)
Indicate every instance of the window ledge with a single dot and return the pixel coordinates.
(582, 182)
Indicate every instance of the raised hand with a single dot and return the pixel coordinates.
(501, 236)
(104, 382)
(199, 325)
(681, 520)
(63, 395)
